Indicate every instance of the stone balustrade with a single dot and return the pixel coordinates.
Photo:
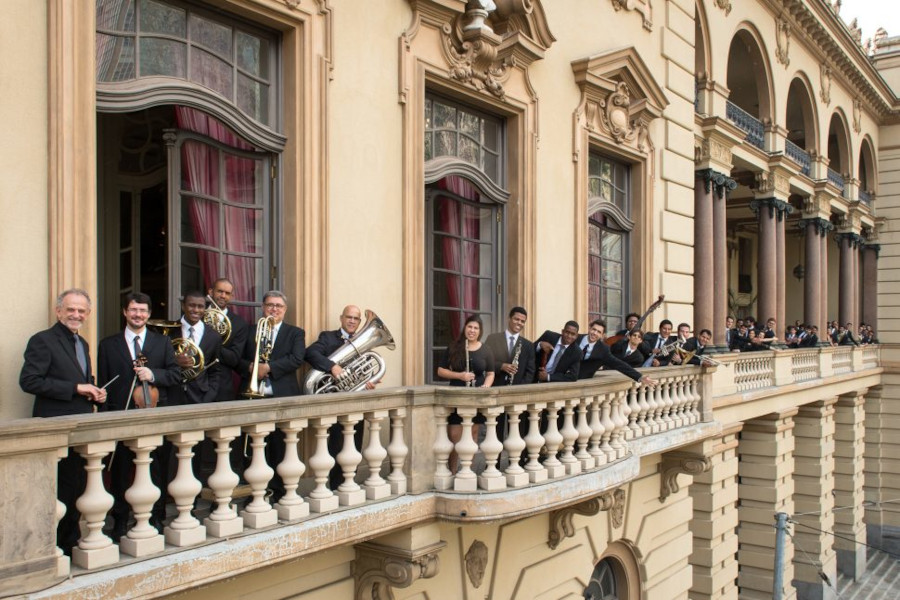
(513, 439)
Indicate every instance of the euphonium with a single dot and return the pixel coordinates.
(265, 327)
(216, 318)
(360, 364)
(182, 346)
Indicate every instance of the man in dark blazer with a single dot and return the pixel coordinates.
(204, 387)
(596, 355)
(157, 367)
(232, 351)
(811, 340)
(698, 346)
(563, 357)
(655, 342)
(505, 345)
(278, 375)
(57, 370)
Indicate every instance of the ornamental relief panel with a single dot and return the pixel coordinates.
(641, 6)
(707, 149)
(825, 90)
(783, 41)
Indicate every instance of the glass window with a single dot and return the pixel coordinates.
(609, 206)
(603, 583)
(454, 130)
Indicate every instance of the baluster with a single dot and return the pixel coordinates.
(597, 430)
(95, 549)
(397, 451)
(185, 530)
(465, 480)
(652, 405)
(644, 395)
(491, 479)
(291, 506)
(553, 439)
(634, 412)
(443, 477)
(662, 405)
(349, 492)
(514, 444)
(695, 400)
(143, 538)
(533, 442)
(569, 435)
(63, 563)
(608, 426)
(374, 454)
(223, 521)
(665, 416)
(321, 499)
(626, 411)
(259, 513)
(584, 436)
(678, 401)
(617, 439)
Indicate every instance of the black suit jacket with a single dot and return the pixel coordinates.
(693, 345)
(496, 343)
(635, 359)
(115, 359)
(601, 356)
(568, 365)
(810, 341)
(230, 356)
(51, 372)
(318, 352)
(287, 356)
(650, 341)
(205, 388)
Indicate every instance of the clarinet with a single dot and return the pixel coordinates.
(515, 363)
(468, 382)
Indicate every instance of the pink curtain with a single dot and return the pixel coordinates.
(458, 219)
(201, 169)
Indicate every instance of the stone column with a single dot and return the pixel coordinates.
(870, 284)
(849, 466)
(766, 257)
(823, 248)
(703, 250)
(814, 500)
(847, 284)
(766, 487)
(714, 525)
(720, 262)
(882, 473)
(780, 216)
(812, 283)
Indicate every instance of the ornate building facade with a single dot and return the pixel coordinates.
(431, 159)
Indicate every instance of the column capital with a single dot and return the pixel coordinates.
(777, 208)
(822, 226)
(876, 248)
(854, 239)
(716, 182)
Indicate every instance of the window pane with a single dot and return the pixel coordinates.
(243, 229)
(612, 273)
(157, 17)
(200, 221)
(471, 258)
(444, 116)
(199, 168)
(212, 72)
(440, 290)
(445, 143)
(613, 302)
(468, 150)
(215, 36)
(115, 15)
(593, 240)
(253, 98)
(492, 133)
(115, 58)
(446, 253)
(252, 54)
(470, 125)
(125, 218)
(470, 299)
(612, 246)
(247, 275)
(163, 57)
(446, 215)
(242, 179)
(444, 322)
(429, 146)
(491, 166)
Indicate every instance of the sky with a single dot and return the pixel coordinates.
(872, 14)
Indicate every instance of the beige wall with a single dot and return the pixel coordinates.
(23, 190)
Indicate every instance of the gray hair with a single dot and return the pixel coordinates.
(275, 294)
(72, 291)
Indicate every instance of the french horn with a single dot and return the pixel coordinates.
(183, 346)
(216, 318)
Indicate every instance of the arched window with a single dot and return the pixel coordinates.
(603, 582)
(464, 222)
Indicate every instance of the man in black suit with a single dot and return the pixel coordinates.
(655, 342)
(730, 330)
(204, 387)
(631, 321)
(137, 355)
(596, 355)
(811, 339)
(563, 355)
(57, 370)
(698, 346)
(232, 351)
(507, 346)
(278, 375)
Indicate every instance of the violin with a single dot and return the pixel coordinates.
(146, 396)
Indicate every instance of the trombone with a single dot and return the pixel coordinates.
(265, 329)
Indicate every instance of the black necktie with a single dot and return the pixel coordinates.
(585, 353)
(80, 355)
(137, 347)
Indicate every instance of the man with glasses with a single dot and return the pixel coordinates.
(222, 292)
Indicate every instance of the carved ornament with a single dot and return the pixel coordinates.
(380, 568)
(724, 5)
(716, 182)
(641, 6)
(292, 3)
(710, 149)
(675, 463)
(783, 40)
(777, 208)
(825, 90)
(472, 55)
(821, 226)
(772, 182)
(857, 115)
(561, 525)
(476, 562)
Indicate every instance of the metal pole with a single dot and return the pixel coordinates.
(778, 579)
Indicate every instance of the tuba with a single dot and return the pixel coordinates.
(216, 318)
(360, 364)
(182, 346)
(265, 327)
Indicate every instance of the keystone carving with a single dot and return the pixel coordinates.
(783, 40)
(675, 463)
(709, 149)
(825, 90)
(641, 6)
(472, 55)
(772, 182)
(380, 568)
(857, 115)
(724, 5)
(476, 562)
(561, 525)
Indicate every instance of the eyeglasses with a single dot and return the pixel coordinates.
(139, 311)
(351, 318)
(272, 306)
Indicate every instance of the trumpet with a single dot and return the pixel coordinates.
(265, 328)
(216, 318)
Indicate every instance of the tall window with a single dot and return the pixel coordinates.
(464, 207)
(609, 225)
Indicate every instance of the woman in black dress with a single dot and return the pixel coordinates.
(629, 349)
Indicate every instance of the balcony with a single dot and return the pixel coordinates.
(865, 197)
(591, 441)
(836, 179)
(746, 123)
(798, 155)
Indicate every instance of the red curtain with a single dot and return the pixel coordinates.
(461, 256)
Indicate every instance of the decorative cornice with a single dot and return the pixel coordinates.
(561, 525)
(675, 463)
(783, 40)
(380, 568)
(641, 6)
(442, 166)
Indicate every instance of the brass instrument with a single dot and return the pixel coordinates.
(216, 318)
(515, 363)
(360, 364)
(265, 329)
(182, 346)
